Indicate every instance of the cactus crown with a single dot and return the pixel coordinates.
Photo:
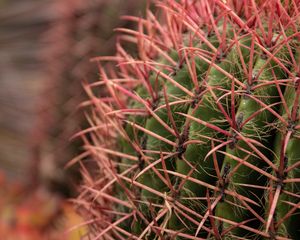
(197, 136)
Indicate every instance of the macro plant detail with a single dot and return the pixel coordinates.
(197, 134)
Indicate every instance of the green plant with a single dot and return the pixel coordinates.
(198, 138)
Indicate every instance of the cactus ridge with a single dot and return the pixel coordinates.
(197, 136)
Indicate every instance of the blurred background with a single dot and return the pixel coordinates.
(45, 47)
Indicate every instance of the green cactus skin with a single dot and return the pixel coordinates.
(199, 136)
(256, 129)
(286, 202)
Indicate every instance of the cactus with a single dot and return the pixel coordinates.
(198, 136)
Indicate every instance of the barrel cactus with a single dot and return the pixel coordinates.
(198, 134)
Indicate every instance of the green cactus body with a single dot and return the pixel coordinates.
(288, 157)
(194, 156)
(287, 202)
(204, 123)
(255, 129)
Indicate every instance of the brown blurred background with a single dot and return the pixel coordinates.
(44, 50)
(45, 47)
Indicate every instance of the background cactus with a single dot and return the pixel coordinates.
(198, 138)
(45, 46)
(76, 33)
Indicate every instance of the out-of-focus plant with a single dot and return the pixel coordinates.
(80, 30)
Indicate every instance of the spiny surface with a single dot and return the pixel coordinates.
(197, 137)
